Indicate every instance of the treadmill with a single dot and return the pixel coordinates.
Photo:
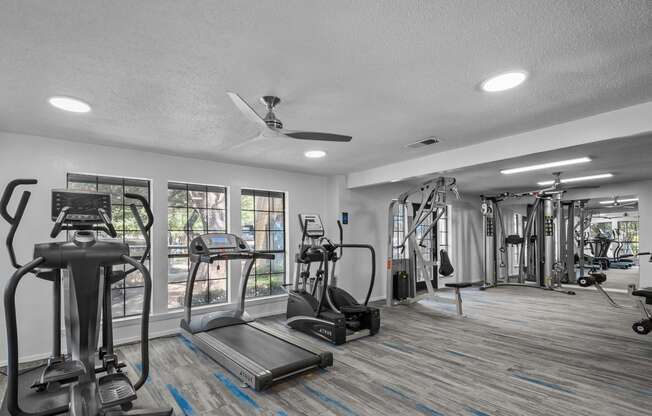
(257, 355)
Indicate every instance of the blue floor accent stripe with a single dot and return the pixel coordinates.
(427, 410)
(188, 343)
(420, 407)
(281, 413)
(475, 412)
(459, 354)
(647, 392)
(542, 383)
(398, 347)
(329, 400)
(181, 401)
(237, 392)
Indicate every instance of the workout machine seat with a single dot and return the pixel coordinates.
(458, 285)
(645, 292)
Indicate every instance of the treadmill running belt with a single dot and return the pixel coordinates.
(278, 356)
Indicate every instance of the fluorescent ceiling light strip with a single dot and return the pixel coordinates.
(579, 179)
(620, 200)
(546, 165)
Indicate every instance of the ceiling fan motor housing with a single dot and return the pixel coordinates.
(270, 119)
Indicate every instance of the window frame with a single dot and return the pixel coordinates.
(634, 244)
(122, 232)
(206, 188)
(285, 230)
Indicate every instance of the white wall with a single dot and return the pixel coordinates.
(368, 223)
(49, 160)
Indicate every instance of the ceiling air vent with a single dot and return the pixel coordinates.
(425, 142)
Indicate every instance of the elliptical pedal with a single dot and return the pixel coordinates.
(59, 371)
(115, 389)
(353, 309)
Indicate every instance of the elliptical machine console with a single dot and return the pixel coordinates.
(316, 305)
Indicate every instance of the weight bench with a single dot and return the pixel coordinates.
(644, 326)
(458, 295)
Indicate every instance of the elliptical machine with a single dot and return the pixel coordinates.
(72, 383)
(319, 308)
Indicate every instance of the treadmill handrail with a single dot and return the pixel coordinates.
(190, 287)
(197, 259)
(240, 256)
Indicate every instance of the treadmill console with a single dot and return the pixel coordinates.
(216, 244)
(82, 206)
(314, 228)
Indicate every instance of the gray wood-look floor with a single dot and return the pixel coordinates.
(518, 352)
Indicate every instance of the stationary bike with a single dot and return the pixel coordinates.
(317, 307)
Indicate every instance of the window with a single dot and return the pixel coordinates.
(629, 236)
(399, 233)
(601, 228)
(426, 244)
(263, 228)
(126, 295)
(195, 210)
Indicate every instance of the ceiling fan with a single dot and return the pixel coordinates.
(272, 127)
(622, 203)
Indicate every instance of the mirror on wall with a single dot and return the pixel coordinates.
(611, 240)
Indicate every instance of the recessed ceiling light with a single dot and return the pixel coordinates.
(582, 178)
(395, 180)
(620, 200)
(69, 104)
(504, 81)
(315, 154)
(546, 165)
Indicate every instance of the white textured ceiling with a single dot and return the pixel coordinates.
(386, 72)
(627, 158)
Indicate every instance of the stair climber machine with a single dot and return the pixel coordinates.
(259, 356)
(85, 380)
(315, 305)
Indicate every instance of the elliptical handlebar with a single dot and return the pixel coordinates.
(144, 227)
(373, 265)
(339, 225)
(14, 220)
(6, 197)
(144, 323)
(148, 209)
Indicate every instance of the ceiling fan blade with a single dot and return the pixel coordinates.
(246, 142)
(247, 110)
(568, 188)
(312, 135)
